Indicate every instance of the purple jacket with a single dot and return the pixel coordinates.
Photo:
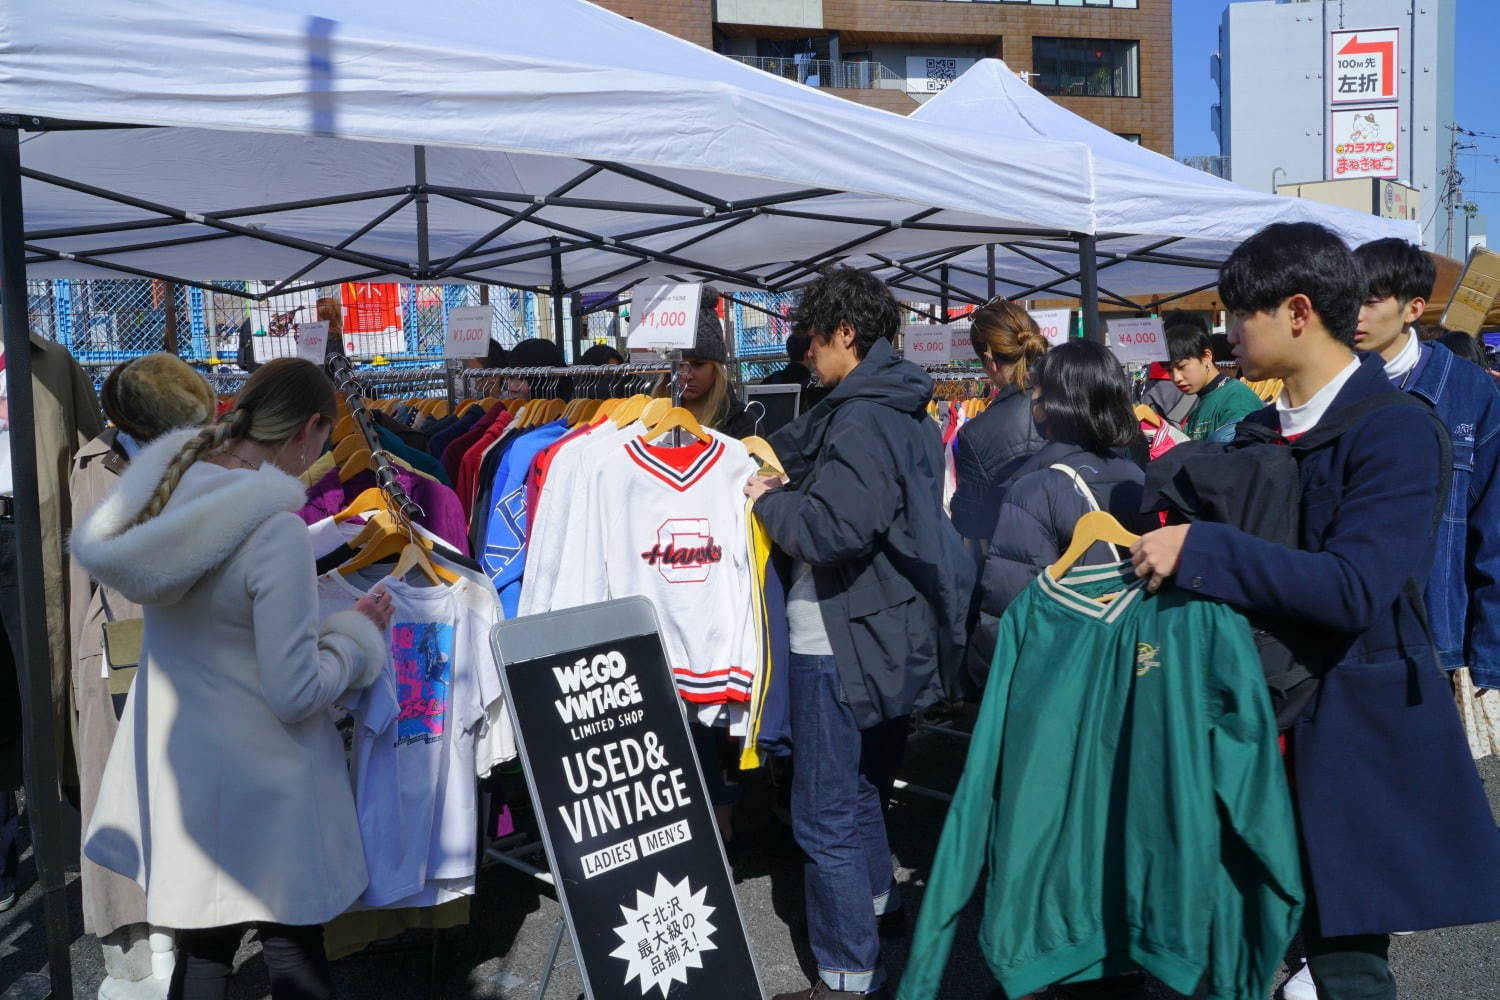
(444, 515)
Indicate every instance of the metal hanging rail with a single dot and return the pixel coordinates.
(579, 374)
(353, 391)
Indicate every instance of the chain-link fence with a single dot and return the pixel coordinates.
(104, 321)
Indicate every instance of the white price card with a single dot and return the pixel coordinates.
(312, 341)
(665, 316)
(960, 346)
(928, 344)
(1055, 324)
(468, 334)
(1138, 341)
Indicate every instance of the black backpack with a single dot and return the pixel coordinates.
(1255, 483)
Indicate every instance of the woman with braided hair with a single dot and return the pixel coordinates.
(225, 795)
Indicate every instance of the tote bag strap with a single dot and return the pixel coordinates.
(1088, 495)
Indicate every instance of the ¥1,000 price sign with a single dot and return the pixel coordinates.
(628, 827)
(664, 316)
(468, 333)
(1137, 341)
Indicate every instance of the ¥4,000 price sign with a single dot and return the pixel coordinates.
(628, 826)
(1138, 341)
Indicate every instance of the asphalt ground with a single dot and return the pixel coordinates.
(502, 953)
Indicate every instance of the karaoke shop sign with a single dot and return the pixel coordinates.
(629, 830)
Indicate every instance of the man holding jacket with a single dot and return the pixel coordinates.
(876, 610)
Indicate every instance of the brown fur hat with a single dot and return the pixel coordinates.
(148, 396)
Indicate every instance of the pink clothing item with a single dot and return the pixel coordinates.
(443, 515)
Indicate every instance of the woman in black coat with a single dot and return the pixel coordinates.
(994, 444)
(1081, 404)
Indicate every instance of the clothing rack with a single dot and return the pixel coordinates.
(584, 380)
(405, 382)
(353, 390)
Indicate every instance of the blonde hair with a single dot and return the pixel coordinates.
(1007, 334)
(715, 402)
(273, 405)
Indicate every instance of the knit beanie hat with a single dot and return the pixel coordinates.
(709, 342)
(148, 396)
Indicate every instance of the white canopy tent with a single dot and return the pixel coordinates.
(1162, 227)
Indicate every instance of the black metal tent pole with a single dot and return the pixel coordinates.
(557, 296)
(1088, 287)
(943, 297)
(989, 272)
(43, 797)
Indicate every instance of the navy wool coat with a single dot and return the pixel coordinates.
(1397, 830)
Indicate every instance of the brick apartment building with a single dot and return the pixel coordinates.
(1108, 60)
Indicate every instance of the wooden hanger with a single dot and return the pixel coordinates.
(1147, 415)
(343, 427)
(1094, 527)
(630, 410)
(653, 412)
(385, 536)
(373, 498)
(760, 448)
(677, 418)
(360, 461)
(346, 447)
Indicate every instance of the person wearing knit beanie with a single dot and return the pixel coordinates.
(148, 396)
(706, 390)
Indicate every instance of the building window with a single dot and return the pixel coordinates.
(1134, 137)
(1086, 67)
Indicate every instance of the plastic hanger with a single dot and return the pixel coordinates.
(1094, 527)
(1147, 415)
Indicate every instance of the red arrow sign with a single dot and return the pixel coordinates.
(1387, 53)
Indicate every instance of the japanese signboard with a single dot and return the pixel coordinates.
(312, 341)
(629, 830)
(1364, 142)
(1475, 293)
(1364, 66)
(1137, 341)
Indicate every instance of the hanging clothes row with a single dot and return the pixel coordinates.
(422, 735)
(959, 395)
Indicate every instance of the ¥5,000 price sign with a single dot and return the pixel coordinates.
(664, 316)
(928, 344)
(628, 827)
(1137, 340)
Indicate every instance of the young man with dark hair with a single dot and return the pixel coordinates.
(877, 609)
(1463, 592)
(1396, 831)
(1221, 400)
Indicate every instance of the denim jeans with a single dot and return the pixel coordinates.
(840, 826)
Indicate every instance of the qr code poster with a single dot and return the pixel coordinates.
(930, 74)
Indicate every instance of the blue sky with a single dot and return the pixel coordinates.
(1196, 34)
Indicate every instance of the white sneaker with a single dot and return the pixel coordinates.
(1300, 986)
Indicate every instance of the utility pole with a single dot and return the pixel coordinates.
(1452, 180)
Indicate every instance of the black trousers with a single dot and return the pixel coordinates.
(1356, 967)
(294, 956)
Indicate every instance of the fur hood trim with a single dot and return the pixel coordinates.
(211, 513)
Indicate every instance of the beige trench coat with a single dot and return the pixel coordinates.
(110, 900)
(66, 416)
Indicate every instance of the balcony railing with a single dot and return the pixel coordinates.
(827, 73)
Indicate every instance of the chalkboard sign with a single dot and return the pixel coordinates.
(628, 827)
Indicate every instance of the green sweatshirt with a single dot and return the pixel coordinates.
(1124, 789)
(1223, 401)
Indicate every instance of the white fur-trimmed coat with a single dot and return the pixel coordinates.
(226, 795)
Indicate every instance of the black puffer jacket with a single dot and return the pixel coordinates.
(991, 447)
(1035, 525)
(864, 509)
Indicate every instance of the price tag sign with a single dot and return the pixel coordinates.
(665, 316)
(1056, 324)
(312, 341)
(928, 344)
(960, 347)
(1138, 341)
(468, 333)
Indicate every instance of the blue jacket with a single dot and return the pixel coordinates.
(1398, 832)
(864, 508)
(1463, 592)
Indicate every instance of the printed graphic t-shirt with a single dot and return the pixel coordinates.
(415, 734)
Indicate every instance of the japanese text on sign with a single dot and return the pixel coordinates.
(1364, 143)
(1055, 324)
(1362, 65)
(312, 341)
(468, 333)
(1137, 340)
(928, 344)
(665, 315)
(664, 935)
